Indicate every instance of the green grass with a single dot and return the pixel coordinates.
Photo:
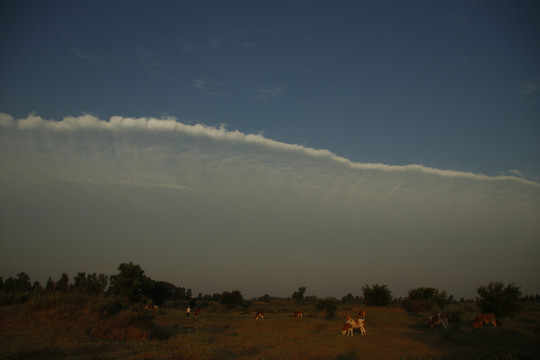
(79, 332)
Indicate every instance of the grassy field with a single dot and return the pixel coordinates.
(79, 333)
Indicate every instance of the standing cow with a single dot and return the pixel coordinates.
(362, 314)
(482, 319)
(351, 324)
(347, 329)
(438, 320)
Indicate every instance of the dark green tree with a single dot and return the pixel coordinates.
(62, 284)
(503, 301)
(19, 284)
(37, 288)
(161, 291)
(50, 287)
(298, 296)
(80, 283)
(329, 305)
(99, 283)
(232, 299)
(130, 282)
(348, 299)
(92, 284)
(426, 298)
(23, 282)
(377, 295)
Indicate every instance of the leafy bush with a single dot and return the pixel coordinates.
(299, 295)
(377, 295)
(232, 299)
(503, 301)
(425, 299)
(329, 305)
(10, 298)
(130, 282)
(108, 306)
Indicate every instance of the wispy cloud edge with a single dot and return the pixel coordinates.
(171, 124)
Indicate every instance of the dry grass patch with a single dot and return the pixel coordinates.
(391, 334)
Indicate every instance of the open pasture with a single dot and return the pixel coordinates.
(392, 333)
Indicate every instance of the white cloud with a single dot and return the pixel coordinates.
(271, 91)
(123, 124)
(201, 191)
(209, 87)
(516, 173)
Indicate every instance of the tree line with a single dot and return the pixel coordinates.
(132, 286)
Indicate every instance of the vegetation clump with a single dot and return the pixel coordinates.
(503, 301)
(116, 317)
(377, 295)
(329, 305)
(426, 299)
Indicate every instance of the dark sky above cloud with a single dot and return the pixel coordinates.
(214, 209)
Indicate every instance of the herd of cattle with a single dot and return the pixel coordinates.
(436, 321)
(439, 320)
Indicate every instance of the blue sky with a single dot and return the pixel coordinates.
(328, 102)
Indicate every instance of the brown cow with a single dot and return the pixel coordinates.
(482, 319)
(348, 329)
(361, 314)
(356, 324)
(438, 320)
(298, 314)
(259, 315)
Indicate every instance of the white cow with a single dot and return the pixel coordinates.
(438, 320)
(351, 324)
(347, 329)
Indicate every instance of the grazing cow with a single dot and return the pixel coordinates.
(259, 315)
(438, 320)
(298, 314)
(151, 307)
(482, 319)
(362, 314)
(357, 324)
(347, 329)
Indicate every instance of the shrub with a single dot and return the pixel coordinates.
(330, 306)
(425, 299)
(232, 299)
(503, 301)
(416, 306)
(377, 295)
(299, 295)
(108, 306)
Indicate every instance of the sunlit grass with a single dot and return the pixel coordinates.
(392, 333)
